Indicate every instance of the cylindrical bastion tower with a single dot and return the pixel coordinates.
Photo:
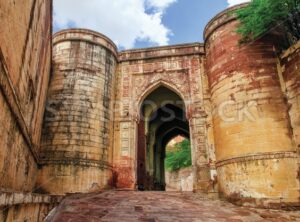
(256, 156)
(75, 151)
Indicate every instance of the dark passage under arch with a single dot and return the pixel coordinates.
(162, 117)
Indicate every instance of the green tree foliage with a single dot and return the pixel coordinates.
(179, 158)
(263, 17)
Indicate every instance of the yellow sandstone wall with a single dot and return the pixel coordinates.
(25, 41)
(25, 61)
(248, 115)
(17, 206)
(257, 160)
(75, 151)
(290, 68)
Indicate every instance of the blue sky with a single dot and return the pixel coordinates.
(188, 18)
(140, 23)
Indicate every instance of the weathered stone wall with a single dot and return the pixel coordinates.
(243, 101)
(181, 69)
(25, 62)
(18, 166)
(180, 180)
(26, 206)
(75, 152)
(25, 57)
(290, 68)
(256, 158)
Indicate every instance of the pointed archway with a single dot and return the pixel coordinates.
(162, 116)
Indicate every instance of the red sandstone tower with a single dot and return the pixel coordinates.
(256, 155)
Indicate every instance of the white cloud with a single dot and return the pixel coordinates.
(124, 21)
(235, 2)
(160, 4)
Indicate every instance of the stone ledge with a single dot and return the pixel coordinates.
(162, 52)
(265, 203)
(15, 198)
(262, 156)
(77, 162)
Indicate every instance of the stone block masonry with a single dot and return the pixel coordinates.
(290, 68)
(25, 63)
(25, 59)
(257, 161)
(179, 68)
(75, 153)
(70, 112)
(26, 206)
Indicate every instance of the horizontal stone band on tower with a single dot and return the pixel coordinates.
(260, 156)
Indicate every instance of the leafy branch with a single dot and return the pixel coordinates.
(180, 157)
(278, 17)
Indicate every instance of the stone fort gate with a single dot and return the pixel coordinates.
(80, 116)
(103, 126)
(123, 100)
(174, 75)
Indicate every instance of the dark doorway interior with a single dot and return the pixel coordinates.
(162, 117)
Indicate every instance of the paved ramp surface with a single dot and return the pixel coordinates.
(123, 206)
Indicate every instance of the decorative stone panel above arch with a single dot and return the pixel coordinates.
(181, 69)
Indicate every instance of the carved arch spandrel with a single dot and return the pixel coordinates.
(143, 86)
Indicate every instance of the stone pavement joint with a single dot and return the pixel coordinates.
(159, 206)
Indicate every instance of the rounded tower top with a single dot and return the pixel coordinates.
(85, 35)
(221, 19)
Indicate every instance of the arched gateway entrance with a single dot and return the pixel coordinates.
(162, 117)
(163, 93)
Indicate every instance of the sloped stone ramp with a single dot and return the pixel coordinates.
(123, 206)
